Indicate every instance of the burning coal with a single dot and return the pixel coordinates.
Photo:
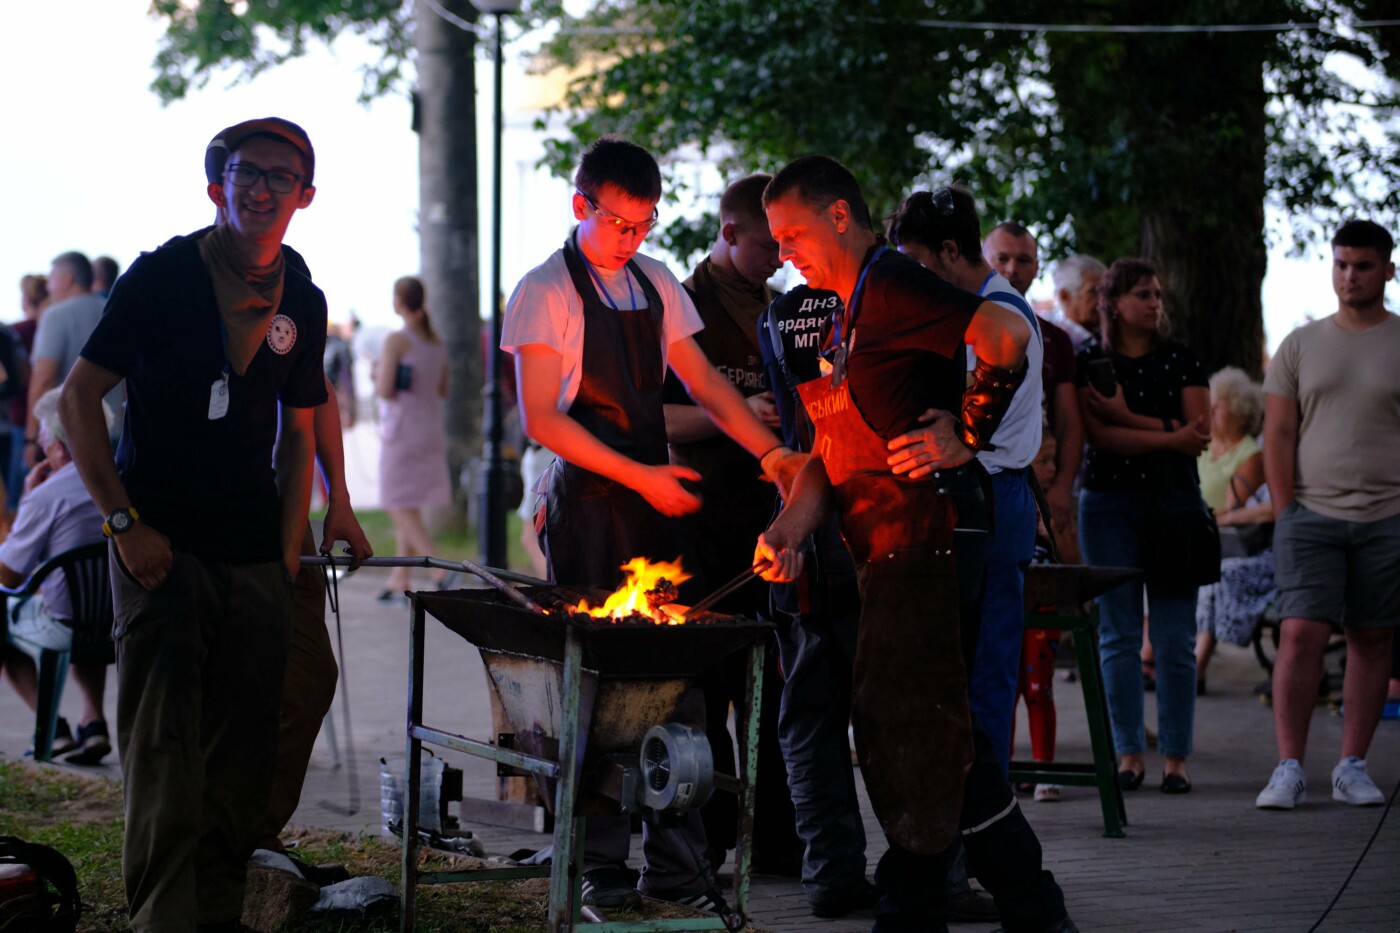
(647, 595)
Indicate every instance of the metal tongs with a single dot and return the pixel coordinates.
(733, 586)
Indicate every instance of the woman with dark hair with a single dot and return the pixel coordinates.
(1145, 407)
(411, 382)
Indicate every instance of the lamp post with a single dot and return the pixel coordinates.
(492, 511)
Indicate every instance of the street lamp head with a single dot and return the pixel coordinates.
(497, 6)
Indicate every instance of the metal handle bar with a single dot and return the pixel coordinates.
(493, 576)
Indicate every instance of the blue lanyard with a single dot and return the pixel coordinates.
(850, 315)
(631, 297)
(843, 347)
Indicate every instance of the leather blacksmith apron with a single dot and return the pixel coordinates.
(909, 693)
(592, 524)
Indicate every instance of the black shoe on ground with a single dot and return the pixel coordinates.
(838, 904)
(709, 900)
(610, 886)
(971, 907)
(92, 745)
(63, 741)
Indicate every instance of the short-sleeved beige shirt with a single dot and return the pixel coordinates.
(1347, 386)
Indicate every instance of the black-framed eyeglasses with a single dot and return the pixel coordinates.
(245, 175)
(621, 224)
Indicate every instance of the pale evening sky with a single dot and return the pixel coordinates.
(93, 162)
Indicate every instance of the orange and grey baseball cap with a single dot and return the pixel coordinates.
(229, 139)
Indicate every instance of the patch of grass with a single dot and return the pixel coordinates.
(470, 907)
(82, 818)
(483, 907)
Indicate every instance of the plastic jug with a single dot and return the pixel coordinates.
(391, 793)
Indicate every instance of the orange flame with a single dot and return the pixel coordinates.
(630, 599)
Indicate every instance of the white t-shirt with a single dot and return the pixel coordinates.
(545, 308)
(1017, 438)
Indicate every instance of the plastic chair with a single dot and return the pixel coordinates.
(89, 588)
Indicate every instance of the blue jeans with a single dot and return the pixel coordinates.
(1112, 533)
(991, 685)
(817, 644)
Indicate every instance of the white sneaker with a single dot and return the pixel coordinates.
(1286, 789)
(1047, 793)
(1351, 784)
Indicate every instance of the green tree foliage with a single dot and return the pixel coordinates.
(254, 35)
(249, 36)
(1167, 144)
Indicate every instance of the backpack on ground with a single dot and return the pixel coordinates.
(38, 889)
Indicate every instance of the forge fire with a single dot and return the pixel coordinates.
(647, 596)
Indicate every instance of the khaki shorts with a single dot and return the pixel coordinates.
(1331, 570)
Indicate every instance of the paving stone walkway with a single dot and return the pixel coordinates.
(1207, 861)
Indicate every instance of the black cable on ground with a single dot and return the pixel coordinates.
(1362, 857)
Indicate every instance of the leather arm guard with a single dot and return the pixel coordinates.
(985, 403)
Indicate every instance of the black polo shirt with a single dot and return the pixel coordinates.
(206, 483)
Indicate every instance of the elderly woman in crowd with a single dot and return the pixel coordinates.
(1145, 409)
(1232, 484)
(56, 514)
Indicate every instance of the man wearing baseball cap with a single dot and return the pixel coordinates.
(206, 504)
(309, 684)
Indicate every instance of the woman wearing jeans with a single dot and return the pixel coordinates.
(1144, 434)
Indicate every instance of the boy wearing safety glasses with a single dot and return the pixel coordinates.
(593, 329)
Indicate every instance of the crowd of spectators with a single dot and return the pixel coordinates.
(45, 509)
(1119, 426)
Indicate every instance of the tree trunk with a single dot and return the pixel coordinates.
(1212, 253)
(445, 117)
(1166, 157)
(1212, 279)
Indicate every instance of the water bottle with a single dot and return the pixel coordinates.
(391, 793)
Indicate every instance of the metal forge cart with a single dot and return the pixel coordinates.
(589, 703)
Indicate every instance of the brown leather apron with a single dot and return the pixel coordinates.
(909, 706)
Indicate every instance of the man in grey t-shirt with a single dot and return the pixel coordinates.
(1331, 441)
(63, 329)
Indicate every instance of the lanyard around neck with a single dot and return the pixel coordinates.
(607, 296)
(842, 334)
(845, 337)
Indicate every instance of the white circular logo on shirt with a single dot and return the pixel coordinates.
(281, 334)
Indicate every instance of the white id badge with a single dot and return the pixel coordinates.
(218, 398)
